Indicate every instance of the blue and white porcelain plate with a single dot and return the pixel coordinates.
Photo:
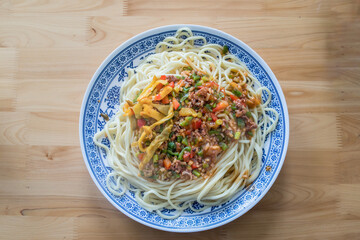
(102, 96)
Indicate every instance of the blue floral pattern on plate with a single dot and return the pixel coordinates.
(103, 97)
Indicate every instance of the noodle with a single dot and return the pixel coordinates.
(236, 168)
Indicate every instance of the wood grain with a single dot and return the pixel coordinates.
(67, 7)
(307, 124)
(245, 8)
(43, 31)
(13, 127)
(41, 227)
(8, 67)
(49, 51)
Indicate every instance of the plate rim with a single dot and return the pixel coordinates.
(229, 37)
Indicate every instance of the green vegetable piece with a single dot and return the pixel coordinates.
(200, 153)
(172, 153)
(219, 122)
(233, 107)
(184, 97)
(250, 133)
(155, 158)
(179, 139)
(196, 173)
(186, 90)
(209, 119)
(186, 121)
(237, 135)
(225, 49)
(237, 93)
(248, 114)
(198, 84)
(196, 77)
(188, 68)
(204, 78)
(214, 132)
(185, 141)
(188, 149)
(205, 165)
(240, 123)
(171, 146)
(208, 107)
(223, 146)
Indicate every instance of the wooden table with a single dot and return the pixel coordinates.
(49, 51)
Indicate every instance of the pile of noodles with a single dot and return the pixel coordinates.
(237, 167)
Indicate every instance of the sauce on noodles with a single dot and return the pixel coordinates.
(206, 120)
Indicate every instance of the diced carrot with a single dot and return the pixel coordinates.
(196, 123)
(188, 132)
(165, 100)
(233, 97)
(186, 156)
(176, 104)
(193, 166)
(213, 116)
(163, 77)
(167, 163)
(181, 83)
(212, 84)
(159, 87)
(220, 106)
(172, 84)
(141, 156)
(157, 97)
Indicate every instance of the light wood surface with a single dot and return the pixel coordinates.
(49, 51)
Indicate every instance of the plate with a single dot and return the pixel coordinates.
(102, 96)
